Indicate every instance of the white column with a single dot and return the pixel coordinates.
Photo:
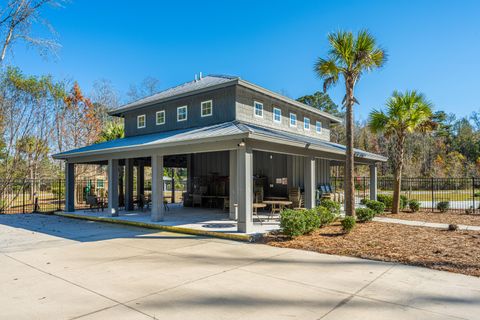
(244, 188)
(233, 183)
(113, 187)
(373, 182)
(69, 187)
(157, 188)
(309, 182)
(128, 184)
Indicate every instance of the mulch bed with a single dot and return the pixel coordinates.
(455, 251)
(456, 217)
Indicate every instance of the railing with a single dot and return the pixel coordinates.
(462, 193)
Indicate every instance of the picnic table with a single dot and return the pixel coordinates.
(277, 206)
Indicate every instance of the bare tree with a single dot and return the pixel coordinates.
(147, 87)
(16, 21)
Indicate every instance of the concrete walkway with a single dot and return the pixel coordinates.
(58, 268)
(425, 224)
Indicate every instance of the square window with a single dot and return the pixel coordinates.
(160, 115)
(258, 109)
(100, 184)
(293, 120)
(306, 123)
(318, 127)
(182, 113)
(277, 115)
(207, 108)
(141, 121)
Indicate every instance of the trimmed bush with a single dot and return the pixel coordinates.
(377, 206)
(292, 222)
(403, 202)
(364, 201)
(443, 206)
(364, 214)
(312, 220)
(348, 223)
(325, 215)
(332, 206)
(414, 205)
(386, 199)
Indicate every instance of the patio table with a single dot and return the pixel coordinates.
(277, 206)
(256, 206)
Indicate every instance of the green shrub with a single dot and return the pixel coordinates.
(312, 220)
(364, 201)
(477, 194)
(414, 205)
(325, 215)
(386, 199)
(332, 206)
(364, 214)
(3, 204)
(377, 206)
(348, 223)
(292, 222)
(443, 206)
(403, 201)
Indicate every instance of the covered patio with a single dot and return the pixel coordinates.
(235, 169)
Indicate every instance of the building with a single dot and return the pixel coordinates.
(236, 139)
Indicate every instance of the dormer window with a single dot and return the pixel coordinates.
(306, 124)
(141, 123)
(182, 113)
(206, 108)
(318, 127)
(258, 109)
(277, 115)
(160, 117)
(293, 120)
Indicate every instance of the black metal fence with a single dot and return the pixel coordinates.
(461, 193)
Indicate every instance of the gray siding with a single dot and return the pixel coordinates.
(245, 112)
(210, 163)
(223, 111)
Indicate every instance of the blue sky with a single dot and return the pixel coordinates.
(433, 46)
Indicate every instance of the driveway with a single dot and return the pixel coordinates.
(57, 268)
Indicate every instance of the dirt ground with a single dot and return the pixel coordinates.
(455, 251)
(456, 217)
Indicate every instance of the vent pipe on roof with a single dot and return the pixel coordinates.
(201, 75)
(195, 79)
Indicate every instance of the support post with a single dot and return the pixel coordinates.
(69, 187)
(113, 187)
(128, 184)
(173, 186)
(309, 182)
(232, 184)
(244, 188)
(158, 209)
(373, 182)
(140, 179)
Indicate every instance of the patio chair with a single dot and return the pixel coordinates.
(295, 196)
(226, 204)
(93, 202)
(197, 200)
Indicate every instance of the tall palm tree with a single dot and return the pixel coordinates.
(350, 57)
(406, 113)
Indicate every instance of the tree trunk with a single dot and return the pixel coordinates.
(397, 188)
(349, 161)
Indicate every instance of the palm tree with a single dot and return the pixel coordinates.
(350, 57)
(406, 113)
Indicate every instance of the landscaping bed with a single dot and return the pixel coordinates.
(455, 251)
(449, 217)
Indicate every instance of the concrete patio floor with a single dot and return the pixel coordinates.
(58, 268)
(203, 219)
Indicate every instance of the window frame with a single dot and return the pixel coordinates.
(305, 123)
(144, 121)
(274, 114)
(255, 109)
(211, 108)
(186, 113)
(318, 124)
(156, 117)
(294, 125)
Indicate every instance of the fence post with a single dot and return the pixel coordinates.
(23, 197)
(433, 197)
(473, 193)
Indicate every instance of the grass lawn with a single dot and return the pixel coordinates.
(455, 251)
(439, 195)
(452, 216)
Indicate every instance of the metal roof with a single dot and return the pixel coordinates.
(217, 132)
(211, 82)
